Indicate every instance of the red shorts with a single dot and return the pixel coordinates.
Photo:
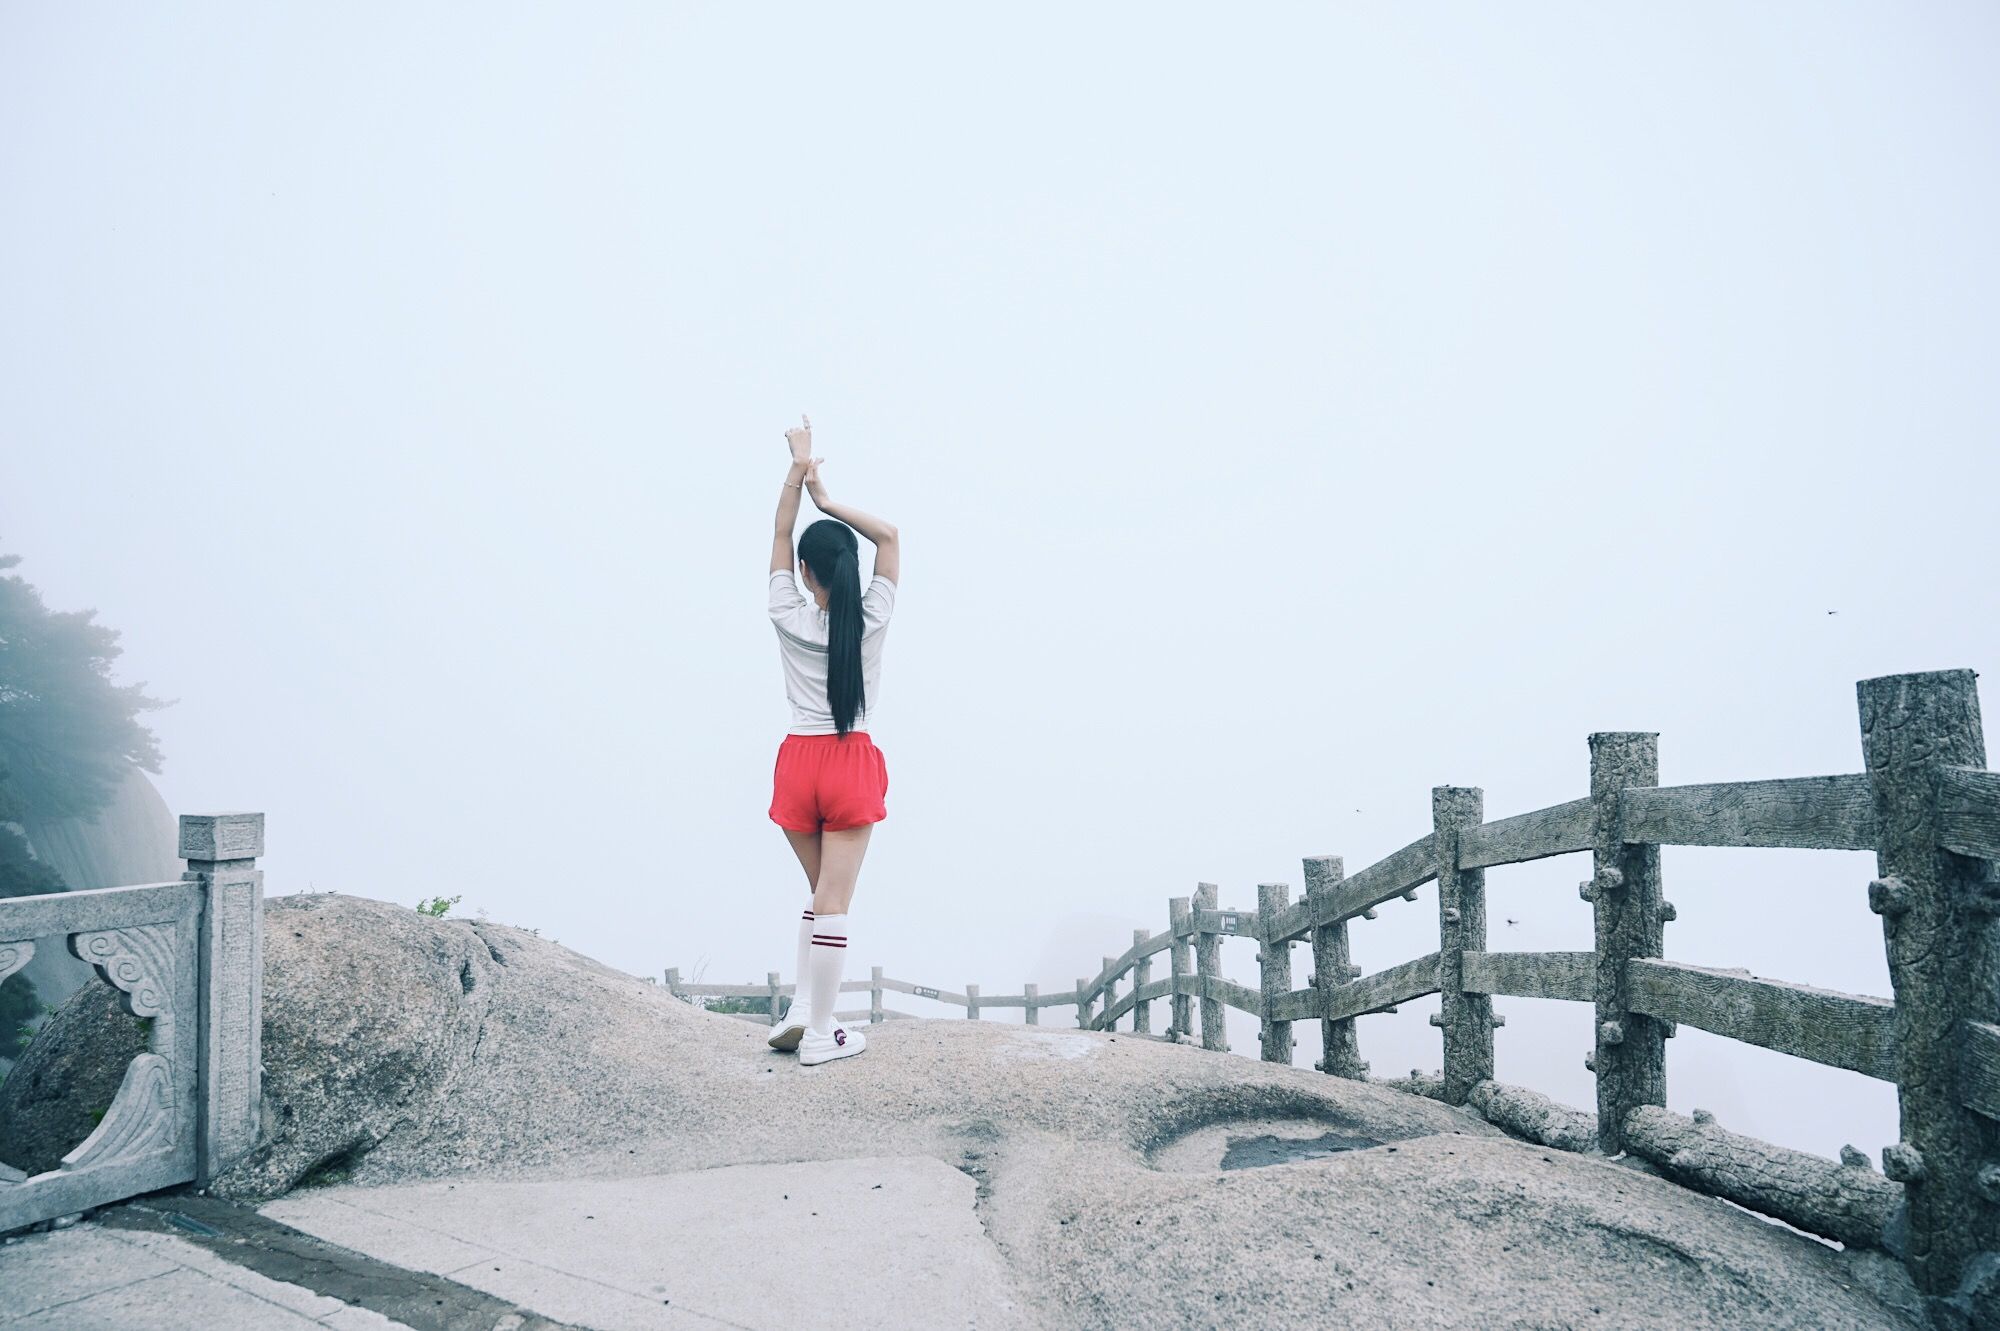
(828, 783)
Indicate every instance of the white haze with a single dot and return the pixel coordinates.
(1286, 411)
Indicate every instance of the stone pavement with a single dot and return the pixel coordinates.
(883, 1243)
(91, 1276)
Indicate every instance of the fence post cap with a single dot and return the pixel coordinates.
(1961, 678)
(221, 836)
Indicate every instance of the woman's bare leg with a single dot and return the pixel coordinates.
(839, 868)
(806, 846)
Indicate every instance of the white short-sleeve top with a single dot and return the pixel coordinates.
(802, 638)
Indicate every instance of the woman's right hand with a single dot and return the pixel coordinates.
(812, 481)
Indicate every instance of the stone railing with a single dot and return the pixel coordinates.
(1925, 805)
(771, 995)
(188, 955)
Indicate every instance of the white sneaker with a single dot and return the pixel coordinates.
(790, 1029)
(818, 1047)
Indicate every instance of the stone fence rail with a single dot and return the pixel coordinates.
(1927, 807)
(186, 957)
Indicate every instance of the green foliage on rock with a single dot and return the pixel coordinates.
(761, 1006)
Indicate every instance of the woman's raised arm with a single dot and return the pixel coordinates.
(800, 441)
(888, 547)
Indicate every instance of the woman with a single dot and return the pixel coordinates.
(830, 779)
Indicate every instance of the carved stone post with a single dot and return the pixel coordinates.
(1208, 966)
(1333, 966)
(1142, 971)
(1030, 994)
(221, 851)
(1083, 1004)
(1180, 920)
(1466, 1019)
(1624, 892)
(1274, 971)
(777, 993)
(874, 995)
(674, 983)
(1938, 917)
(972, 1002)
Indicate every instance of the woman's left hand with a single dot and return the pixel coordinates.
(801, 440)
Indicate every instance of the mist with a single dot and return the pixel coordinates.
(1283, 416)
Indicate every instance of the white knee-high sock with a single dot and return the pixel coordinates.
(829, 955)
(800, 985)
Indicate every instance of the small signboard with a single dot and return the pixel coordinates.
(1228, 923)
(922, 992)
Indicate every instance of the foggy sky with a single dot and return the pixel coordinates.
(1284, 411)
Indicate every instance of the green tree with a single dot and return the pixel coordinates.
(21, 875)
(66, 730)
(66, 734)
(18, 1007)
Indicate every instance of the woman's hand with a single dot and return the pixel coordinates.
(801, 440)
(812, 482)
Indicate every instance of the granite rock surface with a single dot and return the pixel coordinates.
(400, 1048)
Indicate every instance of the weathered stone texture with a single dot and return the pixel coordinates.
(1208, 966)
(1530, 1114)
(1333, 965)
(1465, 1018)
(1943, 941)
(232, 996)
(1845, 1201)
(1274, 970)
(1180, 922)
(1624, 892)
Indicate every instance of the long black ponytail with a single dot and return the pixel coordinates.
(830, 550)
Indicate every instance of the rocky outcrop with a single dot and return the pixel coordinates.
(399, 1047)
(54, 1096)
(131, 840)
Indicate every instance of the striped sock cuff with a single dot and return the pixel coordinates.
(830, 930)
